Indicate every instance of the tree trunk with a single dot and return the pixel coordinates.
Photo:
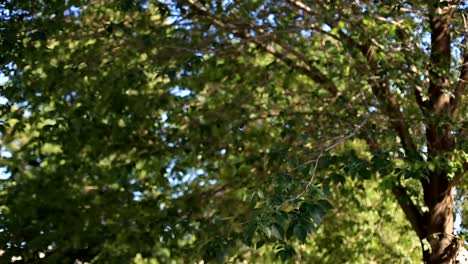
(439, 232)
(435, 227)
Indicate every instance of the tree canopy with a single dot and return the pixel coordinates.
(264, 131)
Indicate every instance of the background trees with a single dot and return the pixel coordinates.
(230, 130)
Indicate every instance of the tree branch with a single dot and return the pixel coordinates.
(407, 51)
(463, 79)
(380, 89)
(311, 71)
(412, 212)
(439, 21)
(437, 132)
(300, 5)
(391, 109)
(307, 69)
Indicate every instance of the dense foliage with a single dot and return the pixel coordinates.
(267, 131)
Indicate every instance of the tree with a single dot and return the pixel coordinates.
(187, 129)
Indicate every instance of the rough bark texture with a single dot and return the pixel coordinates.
(438, 196)
(436, 226)
(438, 191)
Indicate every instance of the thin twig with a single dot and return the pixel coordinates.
(329, 148)
(310, 181)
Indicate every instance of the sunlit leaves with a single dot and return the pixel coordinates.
(144, 131)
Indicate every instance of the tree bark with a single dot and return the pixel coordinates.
(435, 227)
(438, 188)
(438, 196)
